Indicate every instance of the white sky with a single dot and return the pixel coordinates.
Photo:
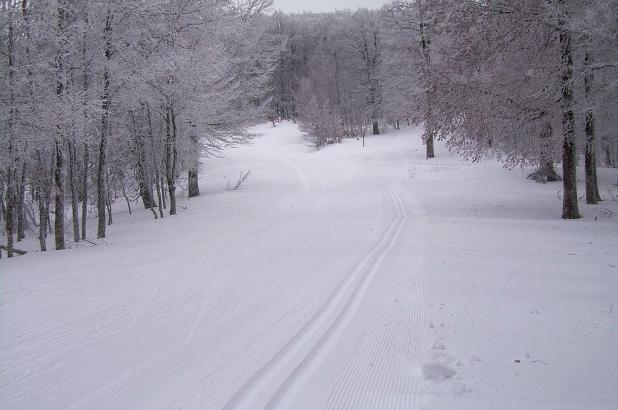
(325, 5)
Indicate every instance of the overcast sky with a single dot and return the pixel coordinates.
(325, 5)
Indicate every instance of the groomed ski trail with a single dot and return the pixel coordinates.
(303, 353)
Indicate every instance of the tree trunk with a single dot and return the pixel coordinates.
(21, 193)
(375, 128)
(9, 216)
(105, 101)
(43, 196)
(59, 197)
(145, 191)
(59, 141)
(545, 172)
(108, 199)
(85, 114)
(429, 125)
(194, 188)
(143, 180)
(159, 191)
(592, 185)
(85, 190)
(50, 230)
(170, 158)
(163, 194)
(569, 202)
(429, 150)
(11, 171)
(570, 208)
(73, 185)
(43, 215)
(155, 164)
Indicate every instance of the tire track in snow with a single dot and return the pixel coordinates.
(302, 352)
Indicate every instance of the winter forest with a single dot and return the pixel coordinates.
(361, 150)
(157, 84)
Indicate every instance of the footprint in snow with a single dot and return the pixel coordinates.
(437, 371)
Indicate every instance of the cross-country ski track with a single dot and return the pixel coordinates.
(349, 277)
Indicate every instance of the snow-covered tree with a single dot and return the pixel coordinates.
(112, 99)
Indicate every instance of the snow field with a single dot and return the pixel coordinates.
(347, 278)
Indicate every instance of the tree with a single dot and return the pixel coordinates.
(128, 94)
(366, 39)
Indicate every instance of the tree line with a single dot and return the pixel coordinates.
(106, 100)
(530, 82)
(118, 100)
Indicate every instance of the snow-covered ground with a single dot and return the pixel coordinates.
(347, 278)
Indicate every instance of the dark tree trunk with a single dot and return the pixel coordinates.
(193, 182)
(21, 196)
(170, 158)
(9, 216)
(428, 137)
(609, 160)
(43, 197)
(11, 173)
(50, 230)
(141, 174)
(101, 194)
(73, 185)
(108, 201)
(105, 101)
(592, 185)
(85, 190)
(156, 162)
(163, 194)
(159, 192)
(429, 145)
(43, 215)
(58, 145)
(86, 163)
(375, 128)
(545, 172)
(570, 209)
(59, 197)
(145, 190)
(194, 189)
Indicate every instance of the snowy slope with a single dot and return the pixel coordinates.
(346, 278)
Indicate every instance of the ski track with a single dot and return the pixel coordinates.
(207, 293)
(309, 181)
(313, 294)
(378, 374)
(225, 379)
(86, 335)
(329, 321)
(278, 361)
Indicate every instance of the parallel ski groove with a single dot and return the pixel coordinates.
(333, 315)
(375, 376)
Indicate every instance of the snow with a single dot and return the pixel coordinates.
(437, 371)
(350, 277)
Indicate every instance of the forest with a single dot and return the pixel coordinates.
(107, 101)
